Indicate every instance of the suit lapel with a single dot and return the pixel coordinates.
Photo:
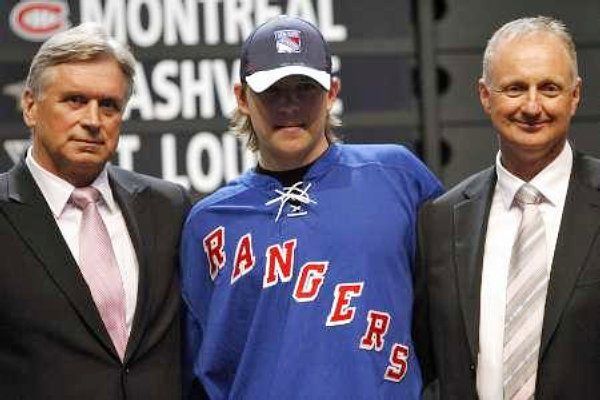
(470, 224)
(28, 212)
(579, 226)
(131, 196)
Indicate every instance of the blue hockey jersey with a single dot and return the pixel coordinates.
(306, 292)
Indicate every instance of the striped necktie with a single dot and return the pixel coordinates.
(525, 298)
(98, 265)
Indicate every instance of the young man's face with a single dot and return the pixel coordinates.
(76, 118)
(289, 119)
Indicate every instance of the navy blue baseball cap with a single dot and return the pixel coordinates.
(281, 47)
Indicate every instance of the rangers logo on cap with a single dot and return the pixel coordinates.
(288, 41)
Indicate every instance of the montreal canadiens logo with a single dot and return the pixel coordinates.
(288, 41)
(38, 20)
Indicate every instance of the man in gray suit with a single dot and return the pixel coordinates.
(509, 286)
(89, 279)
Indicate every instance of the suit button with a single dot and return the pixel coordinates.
(126, 370)
(472, 369)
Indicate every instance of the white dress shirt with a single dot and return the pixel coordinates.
(57, 192)
(503, 223)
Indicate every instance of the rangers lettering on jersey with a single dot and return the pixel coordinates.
(341, 313)
(379, 323)
(213, 247)
(244, 258)
(309, 282)
(398, 363)
(279, 265)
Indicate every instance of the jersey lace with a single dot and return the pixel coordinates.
(296, 196)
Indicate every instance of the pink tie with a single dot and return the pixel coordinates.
(99, 267)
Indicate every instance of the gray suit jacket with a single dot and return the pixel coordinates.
(53, 344)
(452, 232)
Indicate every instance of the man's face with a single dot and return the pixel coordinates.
(289, 119)
(531, 98)
(76, 118)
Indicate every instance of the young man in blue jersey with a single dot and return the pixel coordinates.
(297, 277)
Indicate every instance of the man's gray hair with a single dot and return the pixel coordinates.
(85, 42)
(527, 26)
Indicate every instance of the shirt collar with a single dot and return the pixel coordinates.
(552, 182)
(57, 191)
(319, 168)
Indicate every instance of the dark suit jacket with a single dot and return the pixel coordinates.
(53, 344)
(452, 237)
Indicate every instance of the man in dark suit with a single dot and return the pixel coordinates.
(90, 295)
(509, 285)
